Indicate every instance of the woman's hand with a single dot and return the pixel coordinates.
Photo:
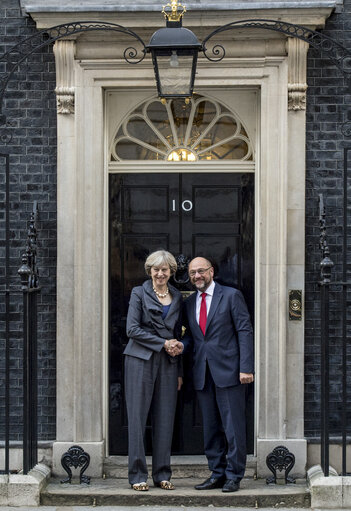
(173, 347)
(180, 382)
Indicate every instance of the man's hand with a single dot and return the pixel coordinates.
(246, 377)
(174, 347)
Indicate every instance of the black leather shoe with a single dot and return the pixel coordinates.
(211, 483)
(230, 485)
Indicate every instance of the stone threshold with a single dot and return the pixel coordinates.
(182, 466)
(117, 492)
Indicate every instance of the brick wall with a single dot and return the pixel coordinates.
(31, 121)
(29, 107)
(328, 108)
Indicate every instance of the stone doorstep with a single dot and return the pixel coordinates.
(333, 492)
(182, 466)
(113, 492)
(24, 490)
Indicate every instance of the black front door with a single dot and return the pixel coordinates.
(190, 214)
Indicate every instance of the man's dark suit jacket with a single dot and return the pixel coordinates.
(228, 342)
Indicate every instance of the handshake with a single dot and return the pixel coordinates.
(173, 347)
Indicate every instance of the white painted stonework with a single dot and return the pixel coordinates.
(147, 5)
(24, 490)
(276, 71)
(333, 492)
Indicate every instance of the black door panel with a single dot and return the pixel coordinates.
(190, 214)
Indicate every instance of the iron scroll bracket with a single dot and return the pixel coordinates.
(75, 457)
(336, 52)
(10, 60)
(280, 459)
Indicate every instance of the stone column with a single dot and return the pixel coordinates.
(289, 429)
(75, 377)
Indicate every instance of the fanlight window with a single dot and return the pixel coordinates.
(203, 129)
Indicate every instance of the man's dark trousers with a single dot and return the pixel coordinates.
(225, 448)
(219, 356)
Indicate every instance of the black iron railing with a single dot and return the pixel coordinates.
(30, 288)
(326, 266)
(6, 159)
(29, 275)
(335, 337)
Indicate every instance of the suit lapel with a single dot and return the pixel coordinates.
(155, 306)
(150, 299)
(216, 298)
(192, 312)
(169, 319)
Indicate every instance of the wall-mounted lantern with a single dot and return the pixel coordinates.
(174, 52)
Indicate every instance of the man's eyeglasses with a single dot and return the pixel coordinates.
(200, 271)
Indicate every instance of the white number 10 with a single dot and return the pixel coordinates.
(187, 205)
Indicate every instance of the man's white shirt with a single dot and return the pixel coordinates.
(209, 294)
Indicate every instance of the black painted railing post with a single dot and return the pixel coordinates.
(344, 314)
(325, 267)
(26, 382)
(7, 314)
(29, 275)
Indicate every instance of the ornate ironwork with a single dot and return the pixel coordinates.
(75, 457)
(28, 271)
(326, 264)
(6, 133)
(236, 146)
(346, 129)
(19, 53)
(173, 14)
(336, 52)
(181, 276)
(280, 459)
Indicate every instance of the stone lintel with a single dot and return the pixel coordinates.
(29, 6)
(200, 21)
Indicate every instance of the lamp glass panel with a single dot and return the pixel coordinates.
(175, 80)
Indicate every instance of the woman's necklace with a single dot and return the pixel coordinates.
(161, 295)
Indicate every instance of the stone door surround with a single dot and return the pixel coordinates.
(86, 67)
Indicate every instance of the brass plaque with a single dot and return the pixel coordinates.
(295, 305)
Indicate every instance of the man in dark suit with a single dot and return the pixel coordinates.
(219, 332)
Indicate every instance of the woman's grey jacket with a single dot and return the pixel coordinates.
(146, 329)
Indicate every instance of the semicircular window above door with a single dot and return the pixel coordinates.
(203, 129)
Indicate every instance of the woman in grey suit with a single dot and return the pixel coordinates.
(151, 370)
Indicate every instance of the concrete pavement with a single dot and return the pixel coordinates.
(147, 508)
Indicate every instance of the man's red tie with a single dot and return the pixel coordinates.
(203, 313)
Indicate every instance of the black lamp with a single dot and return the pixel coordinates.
(174, 51)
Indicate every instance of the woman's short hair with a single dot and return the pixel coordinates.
(159, 258)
